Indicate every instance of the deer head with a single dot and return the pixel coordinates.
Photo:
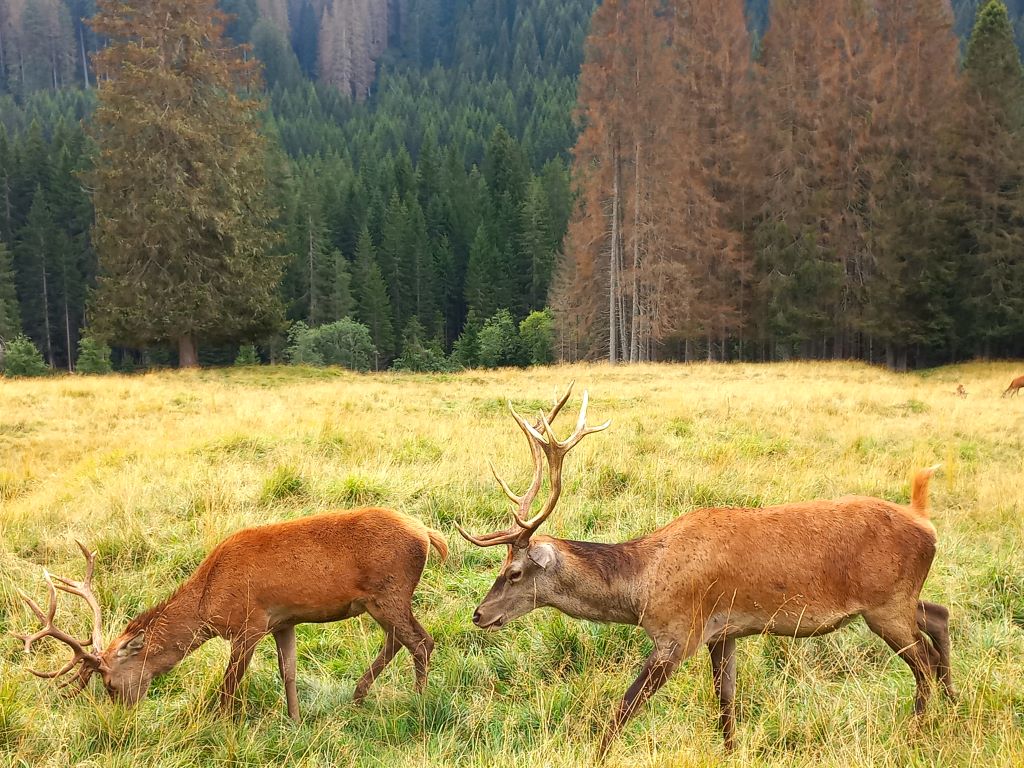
(529, 573)
(122, 665)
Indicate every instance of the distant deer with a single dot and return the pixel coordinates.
(1015, 387)
(262, 581)
(960, 391)
(715, 575)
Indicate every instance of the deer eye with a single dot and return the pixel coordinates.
(514, 576)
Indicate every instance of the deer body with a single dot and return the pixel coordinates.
(266, 580)
(715, 575)
(1015, 387)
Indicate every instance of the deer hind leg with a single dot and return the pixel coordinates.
(286, 662)
(242, 649)
(657, 670)
(420, 644)
(387, 653)
(897, 626)
(933, 620)
(723, 670)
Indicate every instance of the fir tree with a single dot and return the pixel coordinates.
(186, 258)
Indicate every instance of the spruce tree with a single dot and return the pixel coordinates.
(373, 307)
(10, 319)
(182, 212)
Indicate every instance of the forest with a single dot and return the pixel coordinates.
(673, 180)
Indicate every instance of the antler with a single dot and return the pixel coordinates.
(89, 662)
(541, 445)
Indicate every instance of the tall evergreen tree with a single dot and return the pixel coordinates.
(182, 212)
(373, 307)
(991, 156)
(10, 319)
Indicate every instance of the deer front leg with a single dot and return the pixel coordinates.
(658, 668)
(723, 669)
(286, 662)
(242, 649)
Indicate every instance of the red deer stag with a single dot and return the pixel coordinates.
(256, 582)
(715, 575)
(1015, 387)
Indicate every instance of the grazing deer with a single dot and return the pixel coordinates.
(715, 575)
(1015, 387)
(256, 582)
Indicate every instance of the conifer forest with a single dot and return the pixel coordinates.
(435, 184)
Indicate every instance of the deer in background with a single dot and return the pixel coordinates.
(262, 581)
(1015, 387)
(715, 575)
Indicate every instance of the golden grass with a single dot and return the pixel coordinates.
(153, 470)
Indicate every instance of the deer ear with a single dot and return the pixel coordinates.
(134, 645)
(543, 555)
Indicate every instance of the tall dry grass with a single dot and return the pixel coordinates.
(153, 470)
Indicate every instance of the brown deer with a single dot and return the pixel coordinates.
(715, 575)
(1015, 387)
(262, 581)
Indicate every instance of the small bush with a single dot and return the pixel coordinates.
(345, 343)
(537, 338)
(23, 359)
(93, 356)
(420, 356)
(247, 356)
(499, 341)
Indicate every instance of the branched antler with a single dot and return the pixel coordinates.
(87, 662)
(541, 446)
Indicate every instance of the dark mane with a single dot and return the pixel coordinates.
(610, 561)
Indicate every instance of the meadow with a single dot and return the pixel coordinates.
(153, 470)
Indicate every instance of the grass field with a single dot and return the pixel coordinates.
(154, 470)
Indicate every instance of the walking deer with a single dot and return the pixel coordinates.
(261, 581)
(1015, 387)
(715, 575)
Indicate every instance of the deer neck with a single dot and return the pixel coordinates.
(598, 582)
(173, 630)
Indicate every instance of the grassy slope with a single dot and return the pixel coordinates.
(154, 470)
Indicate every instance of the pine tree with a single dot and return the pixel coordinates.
(186, 256)
(373, 307)
(10, 320)
(991, 160)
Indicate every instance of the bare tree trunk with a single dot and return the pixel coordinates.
(312, 294)
(187, 355)
(46, 310)
(85, 57)
(613, 278)
(67, 328)
(634, 340)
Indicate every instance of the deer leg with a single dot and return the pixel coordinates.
(242, 649)
(723, 670)
(387, 653)
(285, 639)
(900, 633)
(420, 644)
(933, 620)
(655, 673)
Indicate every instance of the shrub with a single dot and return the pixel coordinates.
(93, 356)
(419, 356)
(466, 351)
(345, 343)
(537, 338)
(498, 340)
(247, 356)
(21, 358)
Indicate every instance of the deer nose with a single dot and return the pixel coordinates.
(476, 618)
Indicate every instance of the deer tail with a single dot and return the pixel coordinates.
(439, 544)
(919, 490)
